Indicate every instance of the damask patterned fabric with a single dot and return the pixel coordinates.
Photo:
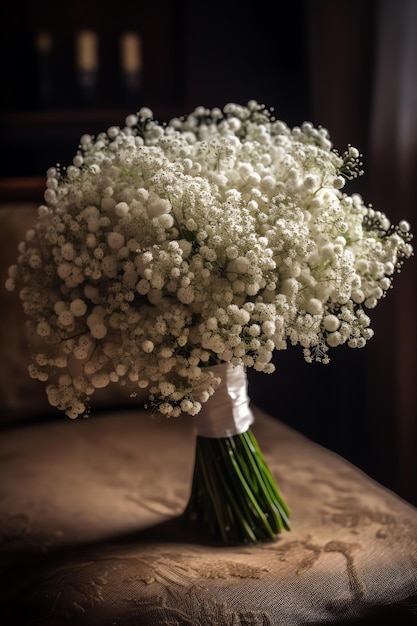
(91, 533)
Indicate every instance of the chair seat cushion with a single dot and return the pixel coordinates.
(91, 533)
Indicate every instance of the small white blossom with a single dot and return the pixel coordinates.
(100, 380)
(148, 346)
(78, 307)
(115, 240)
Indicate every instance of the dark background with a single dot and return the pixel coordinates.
(311, 60)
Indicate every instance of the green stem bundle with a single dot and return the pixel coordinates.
(233, 493)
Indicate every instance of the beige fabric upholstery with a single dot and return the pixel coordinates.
(91, 534)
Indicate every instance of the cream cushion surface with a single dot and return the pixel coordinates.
(92, 535)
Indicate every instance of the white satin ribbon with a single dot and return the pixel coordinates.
(227, 412)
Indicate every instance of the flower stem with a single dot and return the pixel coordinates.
(233, 494)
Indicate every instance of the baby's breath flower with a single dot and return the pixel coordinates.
(221, 236)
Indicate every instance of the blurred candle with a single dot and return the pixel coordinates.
(44, 51)
(131, 66)
(87, 57)
(87, 65)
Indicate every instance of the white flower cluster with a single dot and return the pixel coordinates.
(219, 237)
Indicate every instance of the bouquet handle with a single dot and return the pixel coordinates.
(233, 496)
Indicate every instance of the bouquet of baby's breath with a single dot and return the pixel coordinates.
(166, 249)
